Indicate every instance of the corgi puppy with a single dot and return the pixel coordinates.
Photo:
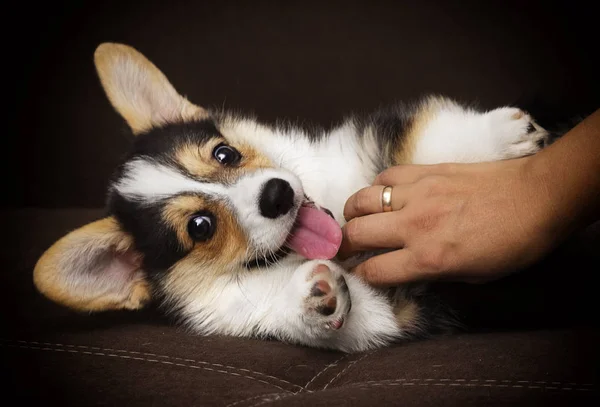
(233, 225)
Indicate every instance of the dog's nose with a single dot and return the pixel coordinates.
(276, 198)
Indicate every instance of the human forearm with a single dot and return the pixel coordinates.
(567, 174)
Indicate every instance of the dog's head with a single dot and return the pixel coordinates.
(194, 200)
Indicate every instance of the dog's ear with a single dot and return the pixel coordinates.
(93, 268)
(139, 91)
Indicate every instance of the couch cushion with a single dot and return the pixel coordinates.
(55, 356)
(141, 364)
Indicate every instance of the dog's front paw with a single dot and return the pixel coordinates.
(515, 132)
(327, 302)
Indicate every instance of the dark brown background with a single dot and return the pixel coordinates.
(302, 60)
(314, 61)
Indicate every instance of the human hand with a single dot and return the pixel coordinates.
(466, 222)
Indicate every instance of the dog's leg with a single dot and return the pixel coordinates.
(326, 307)
(444, 131)
(312, 303)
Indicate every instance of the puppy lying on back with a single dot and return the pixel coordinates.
(228, 222)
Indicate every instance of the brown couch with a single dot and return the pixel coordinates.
(531, 339)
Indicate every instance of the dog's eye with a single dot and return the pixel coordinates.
(201, 226)
(226, 155)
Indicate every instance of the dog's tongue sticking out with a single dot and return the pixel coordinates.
(316, 235)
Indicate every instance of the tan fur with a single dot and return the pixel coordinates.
(407, 310)
(422, 117)
(407, 314)
(177, 213)
(139, 91)
(228, 244)
(55, 275)
(252, 159)
(200, 162)
(220, 255)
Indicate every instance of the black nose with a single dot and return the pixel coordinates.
(276, 198)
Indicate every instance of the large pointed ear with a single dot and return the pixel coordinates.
(93, 268)
(139, 91)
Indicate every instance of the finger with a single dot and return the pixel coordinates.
(369, 200)
(378, 231)
(407, 174)
(390, 269)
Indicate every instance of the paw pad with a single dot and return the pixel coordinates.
(320, 288)
(328, 307)
(328, 300)
(517, 115)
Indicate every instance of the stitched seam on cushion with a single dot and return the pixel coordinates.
(448, 383)
(255, 397)
(346, 369)
(201, 362)
(479, 382)
(334, 364)
(365, 386)
(531, 384)
(270, 400)
(164, 362)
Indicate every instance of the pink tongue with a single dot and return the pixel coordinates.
(316, 236)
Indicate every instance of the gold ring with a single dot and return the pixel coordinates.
(386, 199)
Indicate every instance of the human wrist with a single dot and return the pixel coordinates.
(544, 200)
(567, 175)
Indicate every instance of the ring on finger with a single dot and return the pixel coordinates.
(386, 199)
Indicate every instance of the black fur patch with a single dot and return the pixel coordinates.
(389, 125)
(160, 142)
(325, 310)
(315, 291)
(436, 317)
(153, 238)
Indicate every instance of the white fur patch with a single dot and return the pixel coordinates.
(459, 135)
(149, 181)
